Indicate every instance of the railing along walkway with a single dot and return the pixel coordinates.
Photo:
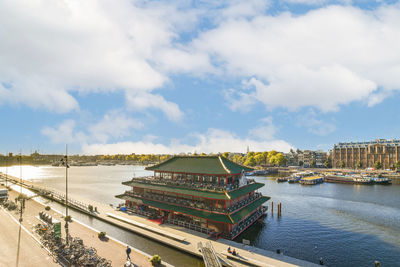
(50, 193)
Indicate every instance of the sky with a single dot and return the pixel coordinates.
(128, 76)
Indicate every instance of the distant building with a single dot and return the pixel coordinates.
(308, 156)
(386, 152)
(292, 159)
(320, 158)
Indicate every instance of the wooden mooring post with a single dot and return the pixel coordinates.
(279, 207)
(272, 208)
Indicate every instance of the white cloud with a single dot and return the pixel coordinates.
(64, 133)
(326, 58)
(314, 125)
(307, 2)
(265, 131)
(115, 124)
(49, 49)
(213, 141)
(238, 9)
(143, 101)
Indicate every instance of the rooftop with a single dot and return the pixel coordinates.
(215, 165)
(393, 142)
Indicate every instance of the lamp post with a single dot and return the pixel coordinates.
(22, 204)
(7, 156)
(64, 162)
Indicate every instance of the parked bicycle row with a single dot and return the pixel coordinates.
(73, 254)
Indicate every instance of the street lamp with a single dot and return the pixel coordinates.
(64, 162)
(22, 204)
(7, 156)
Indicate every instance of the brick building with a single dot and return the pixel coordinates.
(387, 152)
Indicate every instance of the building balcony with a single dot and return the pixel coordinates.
(243, 225)
(190, 226)
(196, 204)
(182, 183)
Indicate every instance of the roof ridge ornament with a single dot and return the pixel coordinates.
(223, 165)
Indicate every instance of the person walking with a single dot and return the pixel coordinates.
(128, 252)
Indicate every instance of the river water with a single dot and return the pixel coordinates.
(346, 225)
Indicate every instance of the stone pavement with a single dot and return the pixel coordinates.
(111, 249)
(31, 254)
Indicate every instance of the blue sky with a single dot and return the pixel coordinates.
(183, 76)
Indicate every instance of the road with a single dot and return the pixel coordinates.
(31, 254)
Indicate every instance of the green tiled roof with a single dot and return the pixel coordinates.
(236, 217)
(239, 215)
(215, 165)
(244, 190)
(198, 193)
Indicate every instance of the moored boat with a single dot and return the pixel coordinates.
(282, 179)
(294, 179)
(378, 180)
(311, 180)
(348, 179)
(358, 179)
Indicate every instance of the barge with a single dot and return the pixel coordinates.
(347, 179)
(311, 180)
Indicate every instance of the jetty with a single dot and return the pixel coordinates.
(188, 239)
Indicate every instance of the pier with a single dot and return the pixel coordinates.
(189, 239)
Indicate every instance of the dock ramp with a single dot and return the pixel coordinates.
(209, 256)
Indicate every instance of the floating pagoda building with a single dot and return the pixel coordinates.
(208, 194)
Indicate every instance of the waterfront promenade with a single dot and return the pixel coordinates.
(110, 249)
(248, 255)
(31, 253)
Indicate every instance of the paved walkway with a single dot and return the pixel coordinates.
(111, 249)
(31, 254)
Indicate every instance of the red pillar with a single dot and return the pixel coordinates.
(225, 204)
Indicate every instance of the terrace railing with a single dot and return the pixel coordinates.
(182, 183)
(190, 226)
(246, 222)
(196, 204)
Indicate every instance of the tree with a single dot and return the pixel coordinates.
(277, 159)
(301, 163)
(272, 153)
(250, 154)
(378, 165)
(250, 161)
(280, 159)
(328, 164)
(342, 164)
(259, 158)
(397, 165)
(313, 163)
(358, 165)
(225, 155)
